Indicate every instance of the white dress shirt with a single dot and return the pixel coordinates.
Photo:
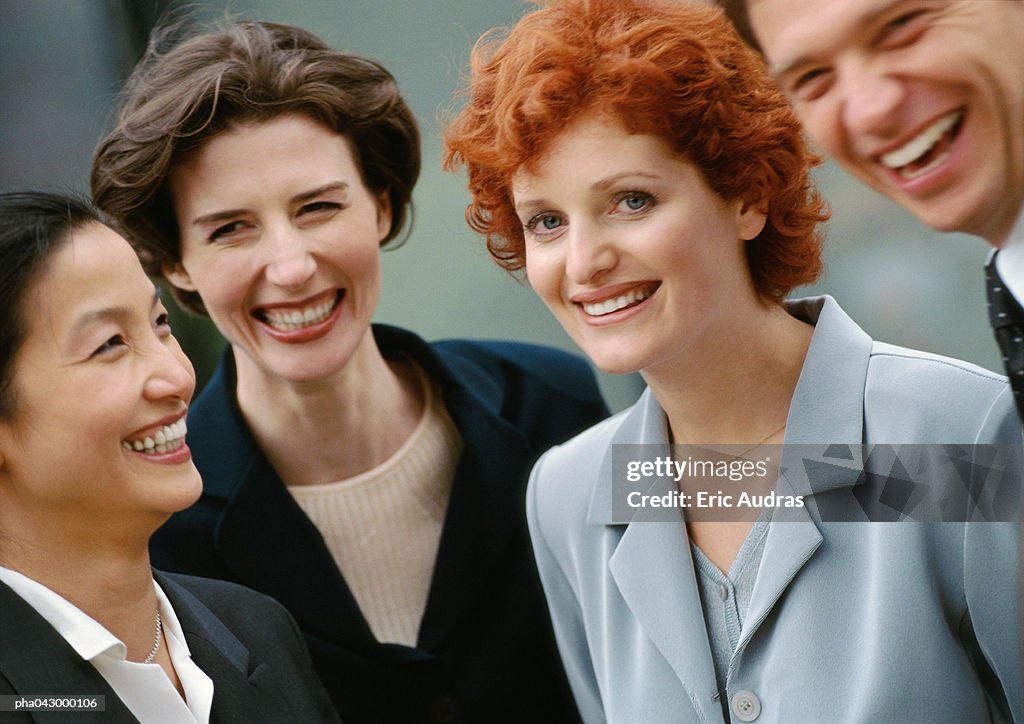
(143, 688)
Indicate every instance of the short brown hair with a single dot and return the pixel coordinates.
(675, 70)
(177, 99)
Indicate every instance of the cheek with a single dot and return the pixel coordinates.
(543, 272)
(822, 124)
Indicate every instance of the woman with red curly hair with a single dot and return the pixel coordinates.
(637, 161)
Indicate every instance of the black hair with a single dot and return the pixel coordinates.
(33, 225)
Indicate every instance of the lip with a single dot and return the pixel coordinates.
(611, 292)
(305, 334)
(931, 180)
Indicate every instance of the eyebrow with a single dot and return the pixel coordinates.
(863, 20)
(219, 216)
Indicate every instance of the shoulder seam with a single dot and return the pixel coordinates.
(977, 372)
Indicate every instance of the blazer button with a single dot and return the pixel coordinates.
(446, 709)
(745, 705)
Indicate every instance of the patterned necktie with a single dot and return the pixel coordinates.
(1007, 318)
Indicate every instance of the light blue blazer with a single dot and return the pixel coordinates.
(857, 622)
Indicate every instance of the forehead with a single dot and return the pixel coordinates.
(785, 28)
(594, 144)
(288, 149)
(94, 268)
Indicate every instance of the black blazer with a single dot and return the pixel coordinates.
(486, 652)
(246, 642)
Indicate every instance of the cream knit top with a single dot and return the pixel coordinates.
(383, 526)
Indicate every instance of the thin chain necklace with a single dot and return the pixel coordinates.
(765, 439)
(156, 640)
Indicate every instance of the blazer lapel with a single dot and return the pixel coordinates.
(218, 653)
(477, 526)
(824, 432)
(653, 569)
(266, 539)
(36, 659)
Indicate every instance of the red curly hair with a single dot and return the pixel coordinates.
(675, 70)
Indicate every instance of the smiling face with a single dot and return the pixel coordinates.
(101, 390)
(281, 239)
(920, 99)
(636, 257)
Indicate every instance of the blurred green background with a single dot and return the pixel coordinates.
(63, 61)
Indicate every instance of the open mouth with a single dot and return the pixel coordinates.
(290, 320)
(926, 150)
(614, 304)
(167, 438)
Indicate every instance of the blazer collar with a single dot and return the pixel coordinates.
(259, 514)
(218, 653)
(34, 658)
(827, 408)
(199, 623)
(652, 565)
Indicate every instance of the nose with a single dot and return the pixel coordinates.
(171, 375)
(872, 102)
(590, 253)
(291, 264)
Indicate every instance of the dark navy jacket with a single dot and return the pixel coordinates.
(485, 651)
(246, 643)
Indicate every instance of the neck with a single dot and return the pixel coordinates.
(109, 580)
(737, 388)
(336, 427)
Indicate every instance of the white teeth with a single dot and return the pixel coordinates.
(921, 144)
(608, 306)
(167, 438)
(299, 318)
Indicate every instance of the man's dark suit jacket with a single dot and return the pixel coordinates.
(485, 651)
(246, 642)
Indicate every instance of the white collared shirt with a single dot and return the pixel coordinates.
(143, 688)
(1010, 260)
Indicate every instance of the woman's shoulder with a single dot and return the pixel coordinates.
(223, 599)
(960, 397)
(488, 367)
(557, 369)
(573, 468)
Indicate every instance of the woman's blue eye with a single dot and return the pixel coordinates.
(634, 200)
(544, 223)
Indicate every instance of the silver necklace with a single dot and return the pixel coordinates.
(156, 640)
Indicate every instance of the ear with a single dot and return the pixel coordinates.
(750, 219)
(383, 214)
(176, 275)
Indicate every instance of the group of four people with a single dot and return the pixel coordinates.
(637, 161)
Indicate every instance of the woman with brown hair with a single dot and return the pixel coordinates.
(368, 480)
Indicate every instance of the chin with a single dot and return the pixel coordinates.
(615, 364)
